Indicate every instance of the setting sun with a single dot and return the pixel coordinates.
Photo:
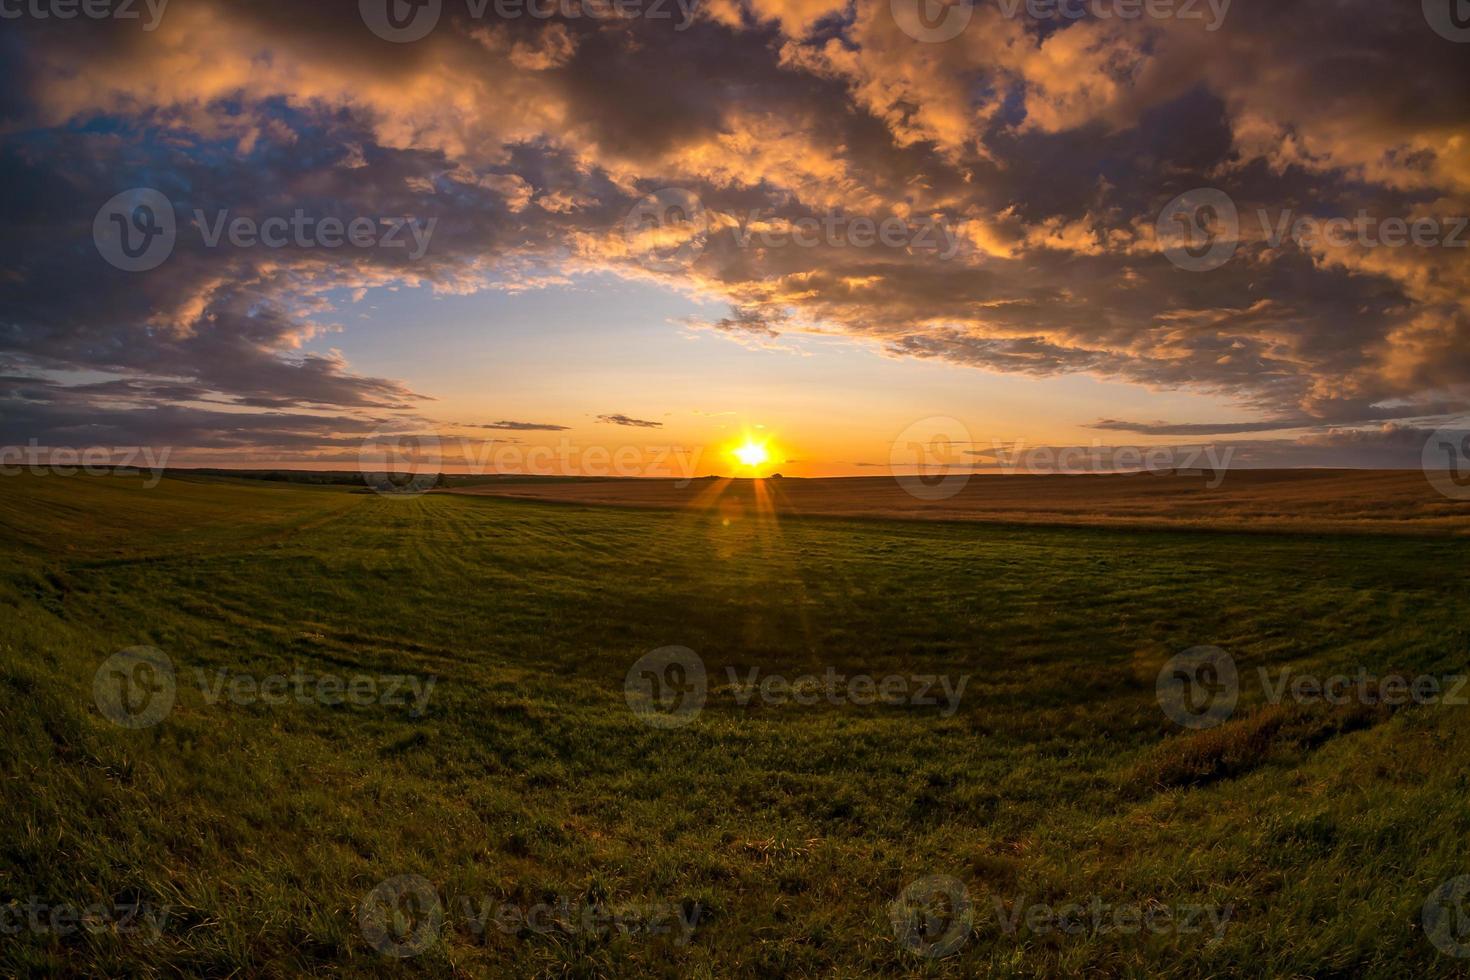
(751, 453)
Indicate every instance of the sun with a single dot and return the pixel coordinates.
(751, 453)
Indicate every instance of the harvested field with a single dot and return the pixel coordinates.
(1373, 501)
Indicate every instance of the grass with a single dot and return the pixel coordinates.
(792, 829)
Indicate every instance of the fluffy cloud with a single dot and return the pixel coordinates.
(1042, 152)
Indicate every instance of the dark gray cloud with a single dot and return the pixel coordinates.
(1045, 151)
(1200, 428)
(521, 426)
(625, 420)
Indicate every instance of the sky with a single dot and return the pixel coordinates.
(623, 241)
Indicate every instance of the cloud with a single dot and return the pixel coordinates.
(1199, 428)
(1047, 150)
(749, 327)
(625, 420)
(521, 426)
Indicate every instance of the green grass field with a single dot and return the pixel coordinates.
(783, 832)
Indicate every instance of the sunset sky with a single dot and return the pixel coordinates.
(562, 299)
